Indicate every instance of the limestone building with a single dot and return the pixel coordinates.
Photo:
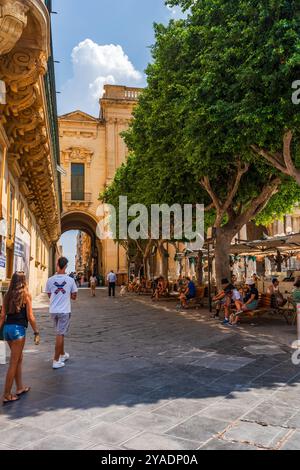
(83, 259)
(91, 151)
(29, 152)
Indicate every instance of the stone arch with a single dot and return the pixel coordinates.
(84, 222)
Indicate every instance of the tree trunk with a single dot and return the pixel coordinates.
(146, 267)
(222, 252)
(279, 260)
(165, 260)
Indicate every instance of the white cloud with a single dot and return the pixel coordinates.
(95, 65)
(176, 12)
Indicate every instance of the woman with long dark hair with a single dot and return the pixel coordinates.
(15, 315)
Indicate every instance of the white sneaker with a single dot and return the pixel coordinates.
(58, 364)
(65, 357)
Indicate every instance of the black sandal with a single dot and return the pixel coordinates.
(26, 390)
(7, 402)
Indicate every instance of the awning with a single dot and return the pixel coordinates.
(288, 243)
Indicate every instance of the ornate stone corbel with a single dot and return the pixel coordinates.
(13, 20)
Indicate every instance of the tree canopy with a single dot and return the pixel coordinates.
(216, 112)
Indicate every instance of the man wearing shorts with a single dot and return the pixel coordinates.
(249, 304)
(61, 288)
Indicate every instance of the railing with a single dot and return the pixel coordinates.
(87, 198)
(132, 94)
(117, 92)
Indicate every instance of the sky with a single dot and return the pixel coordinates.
(102, 41)
(98, 42)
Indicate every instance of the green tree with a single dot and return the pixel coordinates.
(251, 63)
(207, 104)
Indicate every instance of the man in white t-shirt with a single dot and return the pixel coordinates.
(61, 288)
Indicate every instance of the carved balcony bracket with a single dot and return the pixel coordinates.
(13, 20)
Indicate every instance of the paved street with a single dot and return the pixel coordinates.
(144, 376)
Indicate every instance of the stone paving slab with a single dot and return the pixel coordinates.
(256, 434)
(144, 376)
(198, 428)
(58, 442)
(151, 441)
(292, 442)
(220, 444)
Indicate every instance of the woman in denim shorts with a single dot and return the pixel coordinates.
(15, 315)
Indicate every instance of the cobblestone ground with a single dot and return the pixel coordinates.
(144, 376)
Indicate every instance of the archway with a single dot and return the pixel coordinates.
(83, 222)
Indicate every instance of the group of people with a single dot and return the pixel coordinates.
(160, 287)
(236, 300)
(17, 313)
(243, 299)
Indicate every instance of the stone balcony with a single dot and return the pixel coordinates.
(70, 203)
(116, 92)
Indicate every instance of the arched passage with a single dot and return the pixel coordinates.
(84, 222)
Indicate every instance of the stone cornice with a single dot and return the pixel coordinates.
(40, 13)
(118, 120)
(25, 120)
(13, 20)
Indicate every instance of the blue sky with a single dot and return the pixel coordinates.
(98, 42)
(102, 41)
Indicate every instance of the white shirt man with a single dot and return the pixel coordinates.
(61, 288)
(112, 279)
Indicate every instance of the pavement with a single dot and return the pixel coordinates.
(144, 376)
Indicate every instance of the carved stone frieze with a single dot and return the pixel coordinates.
(78, 154)
(25, 122)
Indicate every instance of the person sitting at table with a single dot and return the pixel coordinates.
(277, 298)
(295, 296)
(188, 293)
(223, 299)
(160, 288)
(256, 278)
(140, 286)
(250, 302)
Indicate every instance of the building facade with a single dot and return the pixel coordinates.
(91, 151)
(29, 155)
(83, 259)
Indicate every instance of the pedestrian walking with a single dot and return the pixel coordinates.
(112, 279)
(93, 284)
(61, 288)
(15, 315)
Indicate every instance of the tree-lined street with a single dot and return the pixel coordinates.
(144, 376)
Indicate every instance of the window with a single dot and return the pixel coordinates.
(21, 212)
(37, 249)
(77, 181)
(11, 210)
